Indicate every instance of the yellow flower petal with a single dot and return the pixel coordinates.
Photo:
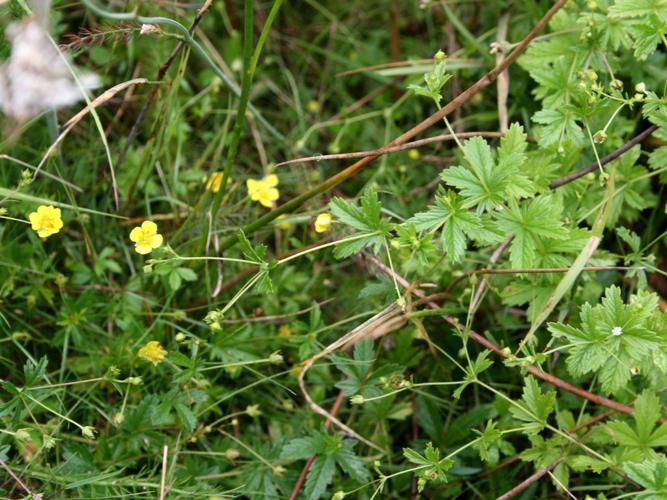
(146, 237)
(148, 226)
(136, 234)
(153, 352)
(156, 241)
(323, 223)
(271, 180)
(143, 248)
(47, 220)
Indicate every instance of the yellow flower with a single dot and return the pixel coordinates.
(146, 237)
(413, 154)
(46, 221)
(264, 190)
(313, 106)
(282, 223)
(323, 223)
(284, 331)
(214, 182)
(152, 352)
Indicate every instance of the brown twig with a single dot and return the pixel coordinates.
(18, 480)
(361, 102)
(402, 147)
(530, 480)
(311, 459)
(604, 160)
(163, 476)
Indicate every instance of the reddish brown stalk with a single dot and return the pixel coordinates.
(407, 145)
(533, 370)
(311, 459)
(604, 160)
(361, 102)
(530, 480)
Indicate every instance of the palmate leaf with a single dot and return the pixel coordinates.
(638, 8)
(652, 475)
(433, 468)
(330, 450)
(486, 183)
(612, 339)
(535, 407)
(647, 23)
(482, 184)
(300, 448)
(528, 223)
(456, 223)
(351, 463)
(643, 435)
(511, 157)
(366, 219)
(557, 82)
(559, 123)
(320, 476)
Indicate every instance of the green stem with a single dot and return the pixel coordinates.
(250, 60)
(132, 16)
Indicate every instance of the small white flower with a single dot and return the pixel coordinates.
(616, 331)
(36, 77)
(147, 29)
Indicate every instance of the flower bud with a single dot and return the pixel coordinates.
(357, 399)
(88, 431)
(253, 411)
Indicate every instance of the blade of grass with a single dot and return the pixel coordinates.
(577, 266)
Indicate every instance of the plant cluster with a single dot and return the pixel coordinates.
(197, 302)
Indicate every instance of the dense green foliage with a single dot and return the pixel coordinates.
(504, 318)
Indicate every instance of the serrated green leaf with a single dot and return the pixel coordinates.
(351, 463)
(535, 407)
(300, 449)
(320, 476)
(528, 223)
(186, 416)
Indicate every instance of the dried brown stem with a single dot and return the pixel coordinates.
(530, 480)
(604, 160)
(311, 459)
(163, 475)
(18, 480)
(402, 147)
